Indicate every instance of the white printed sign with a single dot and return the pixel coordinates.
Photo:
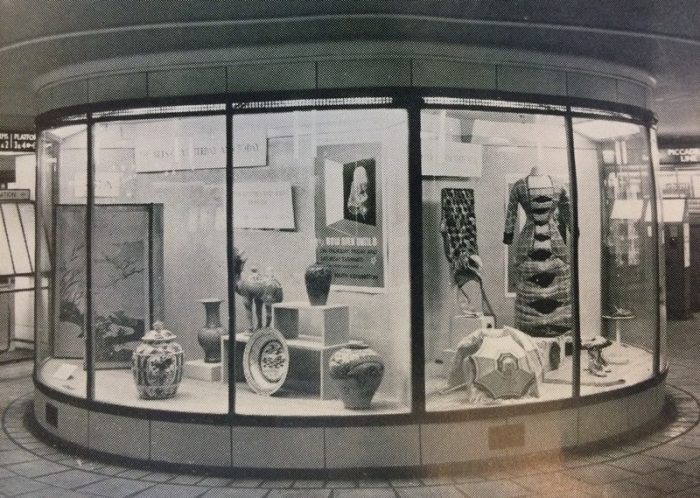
(263, 206)
(184, 144)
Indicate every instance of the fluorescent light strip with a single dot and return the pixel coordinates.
(150, 111)
(500, 104)
(334, 102)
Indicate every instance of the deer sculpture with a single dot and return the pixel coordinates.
(259, 292)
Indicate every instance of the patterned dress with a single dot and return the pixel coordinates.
(458, 229)
(543, 289)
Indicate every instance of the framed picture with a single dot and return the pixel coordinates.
(127, 280)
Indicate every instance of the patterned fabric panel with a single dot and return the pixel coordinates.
(458, 227)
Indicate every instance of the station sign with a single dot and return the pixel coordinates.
(15, 194)
(17, 141)
(679, 155)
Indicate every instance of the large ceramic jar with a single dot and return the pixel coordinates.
(358, 371)
(157, 364)
(209, 336)
(318, 280)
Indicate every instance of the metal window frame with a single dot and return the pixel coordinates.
(413, 101)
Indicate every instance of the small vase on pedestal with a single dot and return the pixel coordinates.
(157, 364)
(318, 280)
(209, 336)
(358, 371)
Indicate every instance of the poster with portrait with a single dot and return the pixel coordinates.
(348, 214)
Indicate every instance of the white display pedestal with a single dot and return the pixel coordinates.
(329, 322)
(198, 369)
(313, 334)
(308, 364)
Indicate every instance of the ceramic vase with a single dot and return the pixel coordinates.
(358, 371)
(318, 279)
(209, 336)
(157, 364)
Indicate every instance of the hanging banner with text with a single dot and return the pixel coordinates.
(17, 141)
(349, 232)
(180, 144)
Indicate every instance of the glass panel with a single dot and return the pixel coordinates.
(617, 258)
(18, 244)
(663, 344)
(496, 252)
(159, 249)
(327, 187)
(6, 264)
(62, 217)
(46, 160)
(26, 214)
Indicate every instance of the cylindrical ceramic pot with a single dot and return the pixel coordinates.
(358, 371)
(209, 336)
(318, 279)
(157, 364)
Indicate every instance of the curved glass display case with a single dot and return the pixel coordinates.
(395, 259)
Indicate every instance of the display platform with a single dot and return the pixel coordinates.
(117, 387)
(198, 396)
(556, 383)
(287, 402)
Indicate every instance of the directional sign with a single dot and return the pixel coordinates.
(17, 141)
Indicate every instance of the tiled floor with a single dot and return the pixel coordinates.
(664, 463)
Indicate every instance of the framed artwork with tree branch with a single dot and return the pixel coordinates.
(127, 280)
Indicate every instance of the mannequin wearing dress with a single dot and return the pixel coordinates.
(543, 301)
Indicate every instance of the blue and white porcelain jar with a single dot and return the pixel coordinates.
(157, 364)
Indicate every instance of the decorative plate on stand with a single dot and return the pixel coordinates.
(266, 361)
